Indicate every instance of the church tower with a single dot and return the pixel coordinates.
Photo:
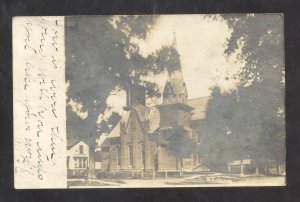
(174, 109)
(175, 89)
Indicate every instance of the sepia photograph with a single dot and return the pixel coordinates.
(174, 100)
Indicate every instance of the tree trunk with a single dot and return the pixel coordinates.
(266, 168)
(242, 169)
(91, 166)
(256, 171)
(278, 167)
(181, 167)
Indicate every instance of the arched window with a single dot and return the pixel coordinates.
(199, 137)
(118, 153)
(130, 154)
(142, 150)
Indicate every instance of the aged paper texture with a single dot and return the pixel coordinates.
(149, 101)
(39, 102)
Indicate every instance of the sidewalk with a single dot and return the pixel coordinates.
(189, 181)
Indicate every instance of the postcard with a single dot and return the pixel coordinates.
(122, 101)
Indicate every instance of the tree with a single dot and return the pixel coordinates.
(255, 118)
(178, 142)
(218, 145)
(261, 89)
(101, 58)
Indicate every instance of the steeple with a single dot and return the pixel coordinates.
(175, 89)
(174, 108)
(174, 42)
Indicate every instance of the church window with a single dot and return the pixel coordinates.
(142, 149)
(198, 137)
(198, 159)
(130, 154)
(118, 153)
(132, 123)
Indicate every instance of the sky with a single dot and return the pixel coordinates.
(201, 42)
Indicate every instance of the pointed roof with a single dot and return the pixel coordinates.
(144, 114)
(175, 80)
(154, 120)
(72, 141)
(115, 132)
(174, 42)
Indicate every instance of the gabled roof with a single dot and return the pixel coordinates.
(144, 114)
(175, 80)
(108, 141)
(168, 87)
(152, 115)
(178, 85)
(73, 141)
(154, 120)
(116, 130)
(199, 106)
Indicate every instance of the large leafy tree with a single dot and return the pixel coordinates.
(251, 122)
(218, 146)
(101, 58)
(261, 91)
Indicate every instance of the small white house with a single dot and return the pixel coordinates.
(77, 158)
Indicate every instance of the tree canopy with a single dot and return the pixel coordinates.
(249, 122)
(101, 57)
(177, 141)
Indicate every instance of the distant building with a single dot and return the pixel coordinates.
(78, 157)
(245, 166)
(250, 166)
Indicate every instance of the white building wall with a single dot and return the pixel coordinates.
(74, 152)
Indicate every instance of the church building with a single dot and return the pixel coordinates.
(134, 143)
